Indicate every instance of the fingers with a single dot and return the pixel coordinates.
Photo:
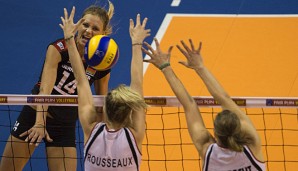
(25, 133)
(138, 22)
(39, 139)
(183, 63)
(170, 50)
(193, 47)
(131, 24)
(148, 32)
(48, 138)
(200, 47)
(72, 13)
(182, 51)
(80, 21)
(147, 60)
(79, 24)
(63, 20)
(144, 22)
(63, 23)
(185, 46)
(149, 48)
(33, 137)
(66, 17)
(157, 44)
(147, 52)
(65, 14)
(191, 44)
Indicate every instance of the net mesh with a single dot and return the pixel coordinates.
(167, 145)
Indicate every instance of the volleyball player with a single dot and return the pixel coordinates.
(115, 142)
(236, 144)
(57, 79)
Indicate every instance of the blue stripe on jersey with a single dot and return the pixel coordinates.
(92, 140)
(132, 148)
(251, 159)
(208, 158)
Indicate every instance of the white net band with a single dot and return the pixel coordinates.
(164, 101)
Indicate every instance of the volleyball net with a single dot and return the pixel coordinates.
(167, 145)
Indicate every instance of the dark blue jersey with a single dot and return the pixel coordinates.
(65, 83)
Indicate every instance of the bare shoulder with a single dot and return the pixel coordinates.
(53, 54)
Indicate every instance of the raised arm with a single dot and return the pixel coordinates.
(138, 33)
(196, 127)
(101, 87)
(195, 61)
(87, 112)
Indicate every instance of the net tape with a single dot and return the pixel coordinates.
(166, 101)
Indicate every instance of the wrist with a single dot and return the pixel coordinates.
(68, 38)
(39, 125)
(198, 69)
(137, 43)
(164, 65)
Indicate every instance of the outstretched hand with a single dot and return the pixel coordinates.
(68, 25)
(158, 58)
(193, 56)
(36, 134)
(138, 32)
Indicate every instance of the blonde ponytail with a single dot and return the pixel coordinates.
(111, 10)
(233, 144)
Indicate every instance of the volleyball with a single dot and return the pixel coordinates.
(101, 52)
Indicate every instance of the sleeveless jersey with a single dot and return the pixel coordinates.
(108, 150)
(221, 159)
(65, 83)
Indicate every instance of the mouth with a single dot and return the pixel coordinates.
(85, 39)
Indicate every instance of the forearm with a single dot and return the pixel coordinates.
(177, 87)
(101, 86)
(41, 111)
(195, 123)
(87, 113)
(76, 61)
(46, 87)
(213, 86)
(83, 87)
(41, 115)
(137, 69)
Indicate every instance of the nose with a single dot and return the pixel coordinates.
(89, 31)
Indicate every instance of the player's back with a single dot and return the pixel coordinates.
(111, 150)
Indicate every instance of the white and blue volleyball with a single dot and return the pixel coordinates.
(101, 52)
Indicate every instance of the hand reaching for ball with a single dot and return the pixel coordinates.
(68, 26)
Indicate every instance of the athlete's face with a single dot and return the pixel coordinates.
(90, 27)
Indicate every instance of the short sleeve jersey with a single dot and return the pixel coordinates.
(218, 158)
(65, 83)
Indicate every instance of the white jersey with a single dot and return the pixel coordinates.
(222, 159)
(108, 150)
